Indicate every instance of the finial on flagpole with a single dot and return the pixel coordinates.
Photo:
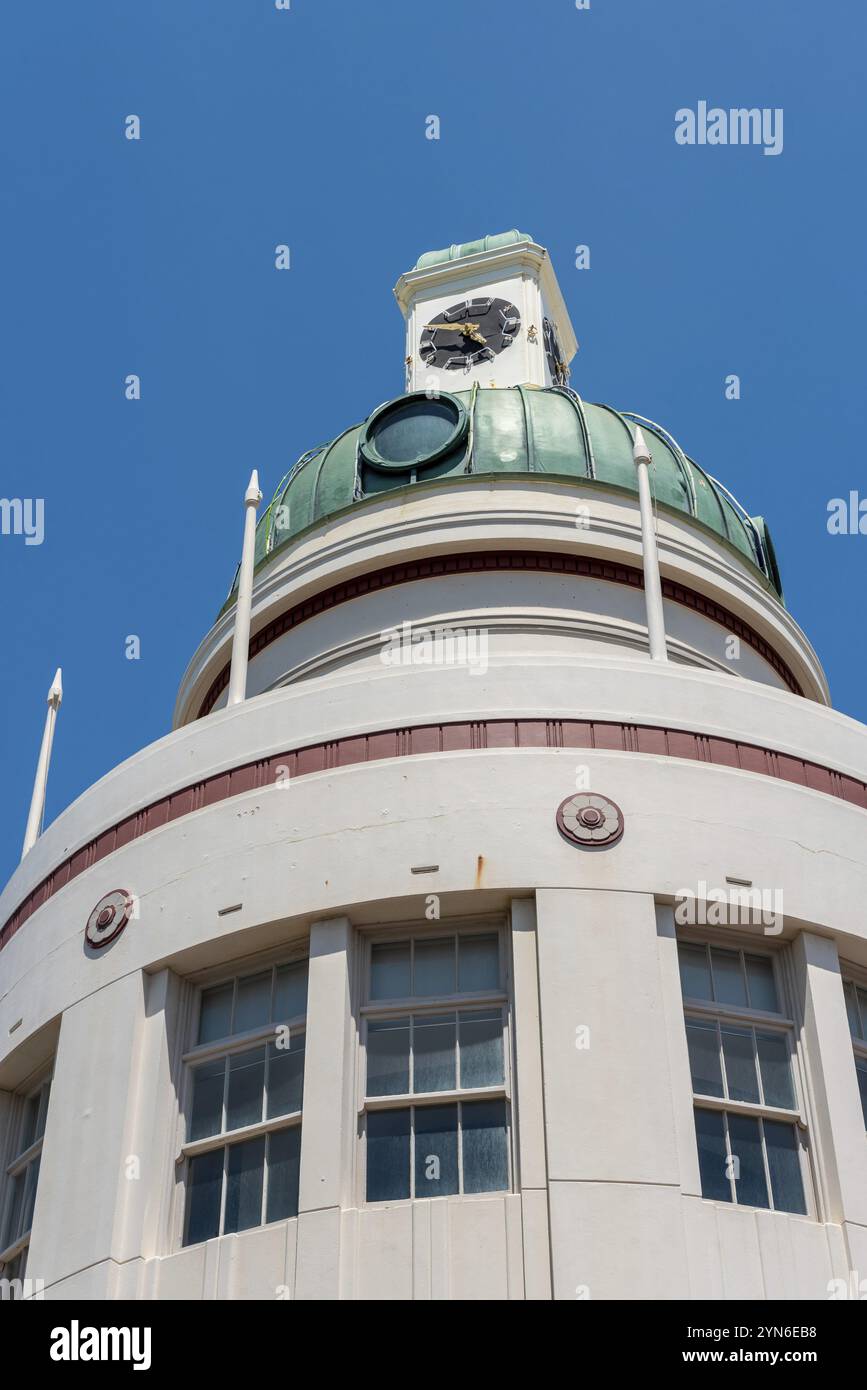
(40, 781)
(640, 451)
(244, 602)
(652, 583)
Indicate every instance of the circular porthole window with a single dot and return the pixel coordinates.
(414, 431)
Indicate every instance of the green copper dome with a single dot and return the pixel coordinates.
(491, 432)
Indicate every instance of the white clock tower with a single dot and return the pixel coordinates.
(489, 312)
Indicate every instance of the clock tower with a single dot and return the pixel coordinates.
(488, 312)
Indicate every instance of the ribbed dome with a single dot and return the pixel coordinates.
(525, 430)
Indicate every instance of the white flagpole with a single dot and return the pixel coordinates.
(40, 781)
(652, 582)
(244, 601)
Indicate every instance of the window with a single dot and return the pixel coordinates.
(246, 1080)
(436, 1098)
(856, 1008)
(747, 1120)
(22, 1176)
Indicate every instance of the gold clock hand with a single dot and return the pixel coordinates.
(466, 330)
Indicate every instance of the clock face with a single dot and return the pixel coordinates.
(469, 333)
(554, 353)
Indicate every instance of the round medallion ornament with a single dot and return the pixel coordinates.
(590, 820)
(108, 918)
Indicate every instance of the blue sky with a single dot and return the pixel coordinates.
(307, 127)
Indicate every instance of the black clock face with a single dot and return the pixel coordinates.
(469, 333)
(553, 352)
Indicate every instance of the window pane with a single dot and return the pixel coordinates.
(704, 1062)
(740, 1064)
(760, 980)
(253, 1002)
(861, 1068)
(478, 962)
(434, 967)
(285, 1077)
(784, 1166)
(712, 1158)
(31, 1117)
(16, 1201)
(43, 1110)
(776, 1070)
(436, 1150)
(433, 1053)
(290, 992)
(387, 1155)
(206, 1112)
(246, 1088)
(244, 1178)
(485, 1146)
(12, 1271)
(284, 1165)
(481, 1047)
(388, 1057)
(862, 1009)
(749, 1166)
(694, 972)
(728, 978)
(32, 1178)
(215, 1014)
(852, 1009)
(389, 972)
(204, 1190)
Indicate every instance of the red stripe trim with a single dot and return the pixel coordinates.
(441, 738)
(551, 562)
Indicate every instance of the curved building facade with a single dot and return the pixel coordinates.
(474, 954)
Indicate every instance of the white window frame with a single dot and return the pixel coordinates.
(416, 1006)
(228, 1046)
(764, 1021)
(19, 1164)
(854, 980)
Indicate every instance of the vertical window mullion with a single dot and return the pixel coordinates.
(224, 1189)
(729, 1156)
(460, 1148)
(225, 1110)
(266, 1169)
(746, 983)
(767, 1165)
(411, 1082)
(722, 1061)
(459, 1080)
(411, 1152)
(759, 1079)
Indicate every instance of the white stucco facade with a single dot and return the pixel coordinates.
(382, 839)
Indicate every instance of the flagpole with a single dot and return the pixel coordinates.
(652, 581)
(244, 602)
(40, 781)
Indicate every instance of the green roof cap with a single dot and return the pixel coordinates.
(533, 432)
(471, 248)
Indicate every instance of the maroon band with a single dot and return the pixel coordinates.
(551, 562)
(481, 734)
